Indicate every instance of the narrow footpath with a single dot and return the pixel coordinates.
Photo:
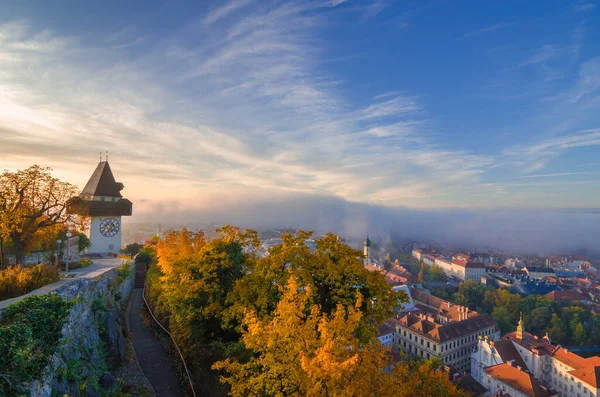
(151, 354)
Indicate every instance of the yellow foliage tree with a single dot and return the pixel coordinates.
(302, 351)
(31, 203)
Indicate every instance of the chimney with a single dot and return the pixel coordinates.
(519, 367)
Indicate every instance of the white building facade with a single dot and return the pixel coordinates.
(557, 369)
(462, 269)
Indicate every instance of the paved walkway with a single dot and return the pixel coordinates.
(151, 354)
(97, 268)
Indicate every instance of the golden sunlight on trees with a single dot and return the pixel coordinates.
(303, 351)
(32, 203)
(292, 323)
(333, 273)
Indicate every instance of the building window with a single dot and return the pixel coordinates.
(434, 348)
(102, 198)
(428, 346)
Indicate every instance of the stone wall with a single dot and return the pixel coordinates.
(93, 339)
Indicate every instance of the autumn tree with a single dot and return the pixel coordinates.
(334, 274)
(423, 274)
(304, 351)
(197, 277)
(32, 202)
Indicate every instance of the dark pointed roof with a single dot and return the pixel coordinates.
(102, 183)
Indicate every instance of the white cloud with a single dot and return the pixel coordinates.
(544, 54)
(392, 107)
(589, 79)
(375, 8)
(226, 9)
(584, 7)
(244, 109)
(536, 157)
(486, 29)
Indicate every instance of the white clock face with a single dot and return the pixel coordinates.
(109, 227)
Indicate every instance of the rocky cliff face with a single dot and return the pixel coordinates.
(93, 338)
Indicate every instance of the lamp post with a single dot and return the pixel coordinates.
(58, 253)
(68, 246)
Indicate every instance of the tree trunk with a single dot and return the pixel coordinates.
(19, 250)
(1, 253)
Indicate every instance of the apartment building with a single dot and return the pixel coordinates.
(441, 329)
(462, 269)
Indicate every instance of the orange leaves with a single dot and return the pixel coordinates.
(178, 245)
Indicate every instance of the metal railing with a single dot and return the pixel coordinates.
(187, 372)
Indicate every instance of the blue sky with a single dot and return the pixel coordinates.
(428, 104)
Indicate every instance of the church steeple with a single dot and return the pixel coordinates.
(367, 250)
(521, 328)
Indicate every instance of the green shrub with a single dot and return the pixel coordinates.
(77, 265)
(29, 334)
(124, 271)
(143, 257)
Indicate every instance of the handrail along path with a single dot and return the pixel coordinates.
(172, 339)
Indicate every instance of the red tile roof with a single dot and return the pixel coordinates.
(467, 264)
(565, 296)
(520, 380)
(589, 375)
(573, 360)
(429, 329)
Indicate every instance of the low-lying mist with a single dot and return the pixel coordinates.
(535, 232)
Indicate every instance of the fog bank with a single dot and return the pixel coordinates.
(539, 232)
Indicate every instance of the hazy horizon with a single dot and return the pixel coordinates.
(535, 232)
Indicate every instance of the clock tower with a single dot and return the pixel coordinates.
(103, 205)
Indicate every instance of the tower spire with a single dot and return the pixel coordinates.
(521, 328)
